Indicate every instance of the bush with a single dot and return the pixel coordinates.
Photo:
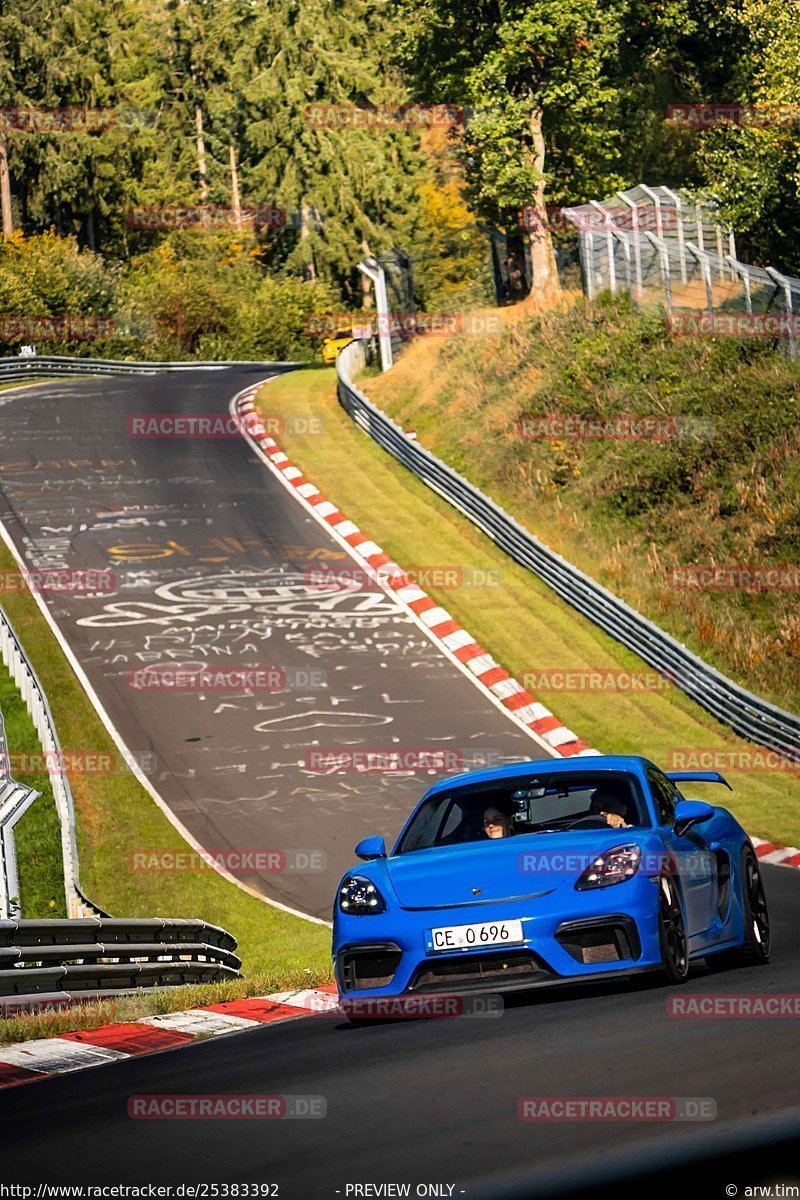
(198, 294)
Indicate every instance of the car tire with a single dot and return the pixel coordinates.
(756, 945)
(672, 931)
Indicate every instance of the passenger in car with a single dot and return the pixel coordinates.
(496, 824)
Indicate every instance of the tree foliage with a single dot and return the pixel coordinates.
(562, 101)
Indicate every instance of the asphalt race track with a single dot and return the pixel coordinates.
(217, 567)
(211, 556)
(425, 1101)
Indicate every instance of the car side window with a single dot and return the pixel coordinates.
(453, 822)
(664, 795)
(423, 832)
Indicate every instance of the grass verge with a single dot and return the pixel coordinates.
(717, 487)
(18, 383)
(519, 620)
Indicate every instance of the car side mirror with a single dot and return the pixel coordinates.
(689, 813)
(371, 847)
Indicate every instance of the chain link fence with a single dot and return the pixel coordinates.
(662, 246)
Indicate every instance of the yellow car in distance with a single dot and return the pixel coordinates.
(333, 344)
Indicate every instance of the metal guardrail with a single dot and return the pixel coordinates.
(24, 676)
(15, 800)
(12, 369)
(45, 957)
(747, 714)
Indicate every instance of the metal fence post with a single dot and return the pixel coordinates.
(663, 256)
(698, 220)
(705, 266)
(637, 250)
(374, 271)
(612, 273)
(648, 191)
(720, 255)
(624, 241)
(589, 265)
(676, 200)
(738, 268)
(785, 284)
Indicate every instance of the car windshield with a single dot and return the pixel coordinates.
(517, 806)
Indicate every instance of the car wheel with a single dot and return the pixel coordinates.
(672, 931)
(755, 947)
(757, 941)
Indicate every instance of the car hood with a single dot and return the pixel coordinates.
(508, 869)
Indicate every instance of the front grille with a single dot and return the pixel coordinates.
(516, 969)
(600, 939)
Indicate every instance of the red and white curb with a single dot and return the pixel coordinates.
(459, 645)
(776, 856)
(25, 1062)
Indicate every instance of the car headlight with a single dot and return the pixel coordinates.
(359, 895)
(612, 866)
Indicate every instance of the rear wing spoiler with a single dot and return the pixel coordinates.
(698, 777)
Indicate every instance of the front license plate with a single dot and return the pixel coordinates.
(473, 937)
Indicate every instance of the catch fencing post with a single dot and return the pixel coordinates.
(661, 248)
(720, 255)
(589, 263)
(648, 191)
(606, 215)
(698, 220)
(374, 271)
(786, 286)
(676, 200)
(705, 266)
(732, 251)
(738, 268)
(637, 250)
(624, 241)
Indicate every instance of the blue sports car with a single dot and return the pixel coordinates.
(546, 872)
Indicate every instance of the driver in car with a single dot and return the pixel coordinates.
(611, 806)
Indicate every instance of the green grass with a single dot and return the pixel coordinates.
(521, 622)
(6, 387)
(144, 1004)
(115, 817)
(627, 511)
(37, 835)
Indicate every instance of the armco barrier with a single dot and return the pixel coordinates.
(23, 674)
(46, 957)
(15, 800)
(13, 369)
(744, 712)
